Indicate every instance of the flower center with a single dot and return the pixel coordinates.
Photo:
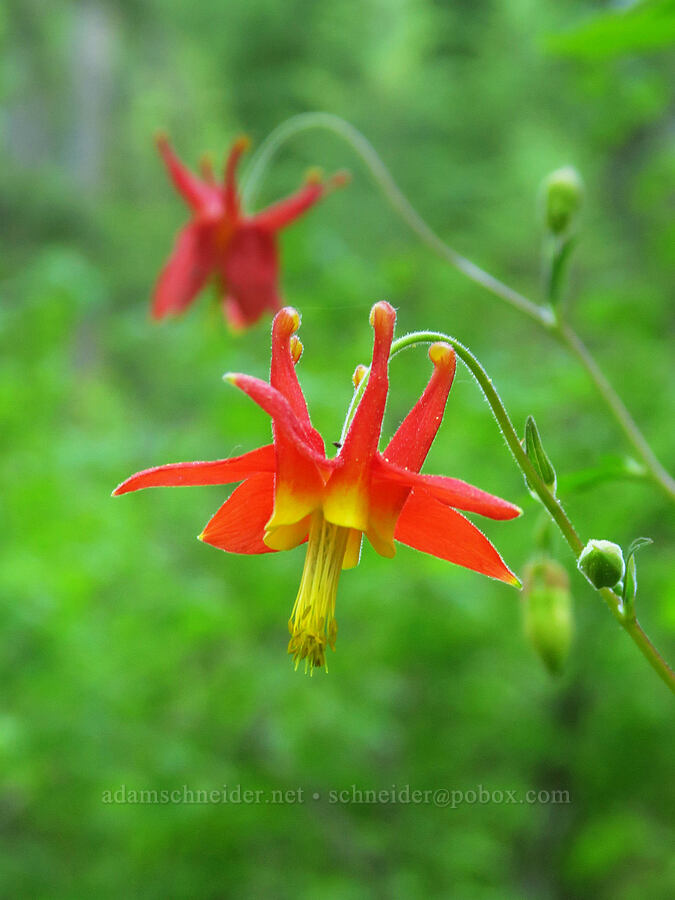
(312, 624)
(222, 234)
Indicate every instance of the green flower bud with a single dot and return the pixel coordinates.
(537, 456)
(547, 609)
(563, 192)
(602, 563)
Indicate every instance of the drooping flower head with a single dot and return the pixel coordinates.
(291, 492)
(221, 242)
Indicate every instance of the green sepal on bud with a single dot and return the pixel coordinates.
(563, 194)
(630, 581)
(602, 563)
(547, 612)
(539, 458)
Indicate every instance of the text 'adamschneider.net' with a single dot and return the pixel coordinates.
(236, 795)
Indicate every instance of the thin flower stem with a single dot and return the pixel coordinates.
(628, 623)
(542, 315)
(634, 436)
(394, 195)
(648, 650)
(509, 432)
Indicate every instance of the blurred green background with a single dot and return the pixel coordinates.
(131, 654)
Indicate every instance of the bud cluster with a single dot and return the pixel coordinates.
(563, 192)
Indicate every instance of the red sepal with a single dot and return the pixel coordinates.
(428, 525)
(239, 524)
(219, 471)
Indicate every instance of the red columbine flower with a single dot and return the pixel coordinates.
(239, 250)
(291, 492)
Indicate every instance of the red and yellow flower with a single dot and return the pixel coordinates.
(220, 241)
(290, 492)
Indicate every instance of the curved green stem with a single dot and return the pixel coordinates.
(634, 436)
(508, 431)
(552, 504)
(633, 628)
(394, 195)
(542, 315)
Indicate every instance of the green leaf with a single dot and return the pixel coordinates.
(637, 543)
(630, 580)
(644, 27)
(609, 468)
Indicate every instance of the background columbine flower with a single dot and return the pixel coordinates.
(291, 492)
(221, 241)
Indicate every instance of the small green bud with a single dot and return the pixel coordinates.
(537, 456)
(602, 563)
(563, 193)
(547, 608)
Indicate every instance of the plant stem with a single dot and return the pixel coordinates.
(634, 436)
(628, 622)
(542, 315)
(393, 194)
(633, 628)
(508, 431)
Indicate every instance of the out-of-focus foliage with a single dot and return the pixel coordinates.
(642, 26)
(130, 654)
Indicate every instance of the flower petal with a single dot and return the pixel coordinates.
(230, 194)
(285, 537)
(279, 409)
(364, 432)
(290, 208)
(250, 269)
(199, 195)
(409, 447)
(413, 438)
(450, 491)
(352, 555)
(186, 272)
(428, 525)
(299, 484)
(282, 368)
(220, 471)
(239, 524)
(346, 501)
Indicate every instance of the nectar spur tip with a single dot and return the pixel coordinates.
(359, 373)
(296, 348)
(242, 143)
(289, 317)
(381, 313)
(441, 353)
(314, 175)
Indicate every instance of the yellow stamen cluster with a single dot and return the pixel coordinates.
(312, 624)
